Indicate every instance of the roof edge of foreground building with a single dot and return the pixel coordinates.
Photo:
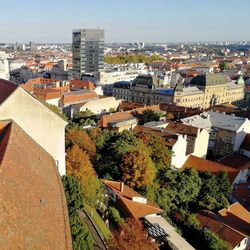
(33, 211)
(38, 121)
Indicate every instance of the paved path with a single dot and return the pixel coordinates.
(98, 242)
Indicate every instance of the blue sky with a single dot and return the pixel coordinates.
(125, 20)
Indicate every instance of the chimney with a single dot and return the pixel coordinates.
(121, 186)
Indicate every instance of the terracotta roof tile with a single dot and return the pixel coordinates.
(127, 105)
(237, 217)
(50, 93)
(142, 109)
(72, 97)
(28, 86)
(124, 115)
(212, 222)
(6, 89)
(200, 164)
(169, 138)
(131, 208)
(237, 161)
(82, 84)
(33, 211)
(114, 117)
(181, 128)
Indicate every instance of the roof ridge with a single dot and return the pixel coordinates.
(226, 225)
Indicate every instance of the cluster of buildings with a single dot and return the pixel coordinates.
(200, 134)
(203, 91)
(222, 138)
(132, 204)
(72, 96)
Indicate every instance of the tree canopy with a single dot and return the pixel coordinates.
(136, 58)
(82, 139)
(79, 166)
(158, 151)
(223, 65)
(73, 193)
(137, 169)
(81, 237)
(149, 116)
(131, 235)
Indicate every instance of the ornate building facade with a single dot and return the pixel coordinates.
(204, 91)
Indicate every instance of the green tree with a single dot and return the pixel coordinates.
(102, 138)
(110, 149)
(73, 193)
(223, 65)
(149, 116)
(211, 197)
(112, 110)
(224, 184)
(125, 142)
(85, 122)
(214, 242)
(115, 217)
(137, 169)
(56, 110)
(158, 151)
(83, 114)
(81, 237)
(132, 58)
(164, 198)
(187, 187)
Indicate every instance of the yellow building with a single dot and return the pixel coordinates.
(203, 91)
(208, 90)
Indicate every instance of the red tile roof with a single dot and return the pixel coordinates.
(142, 109)
(50, 93)
(6, 89)
(131, 208)
(124, 115)
(169, 138)
(237, 217)
(237, 161)
(126, 105)
(212, 222)
(181, 128)
(28, 86)
(241, 194)
(200, 165)
(33, 211)
(114, 117)
(76, 98)
(82, 84)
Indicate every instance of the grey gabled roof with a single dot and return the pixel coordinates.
(227, 122)
(215, 119)
(210, 79)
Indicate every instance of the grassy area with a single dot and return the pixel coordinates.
(101, 226)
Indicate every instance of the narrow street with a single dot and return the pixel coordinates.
(98, 242)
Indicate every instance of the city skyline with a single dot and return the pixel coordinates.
(162, 21)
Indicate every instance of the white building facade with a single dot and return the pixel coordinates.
(39, 122)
